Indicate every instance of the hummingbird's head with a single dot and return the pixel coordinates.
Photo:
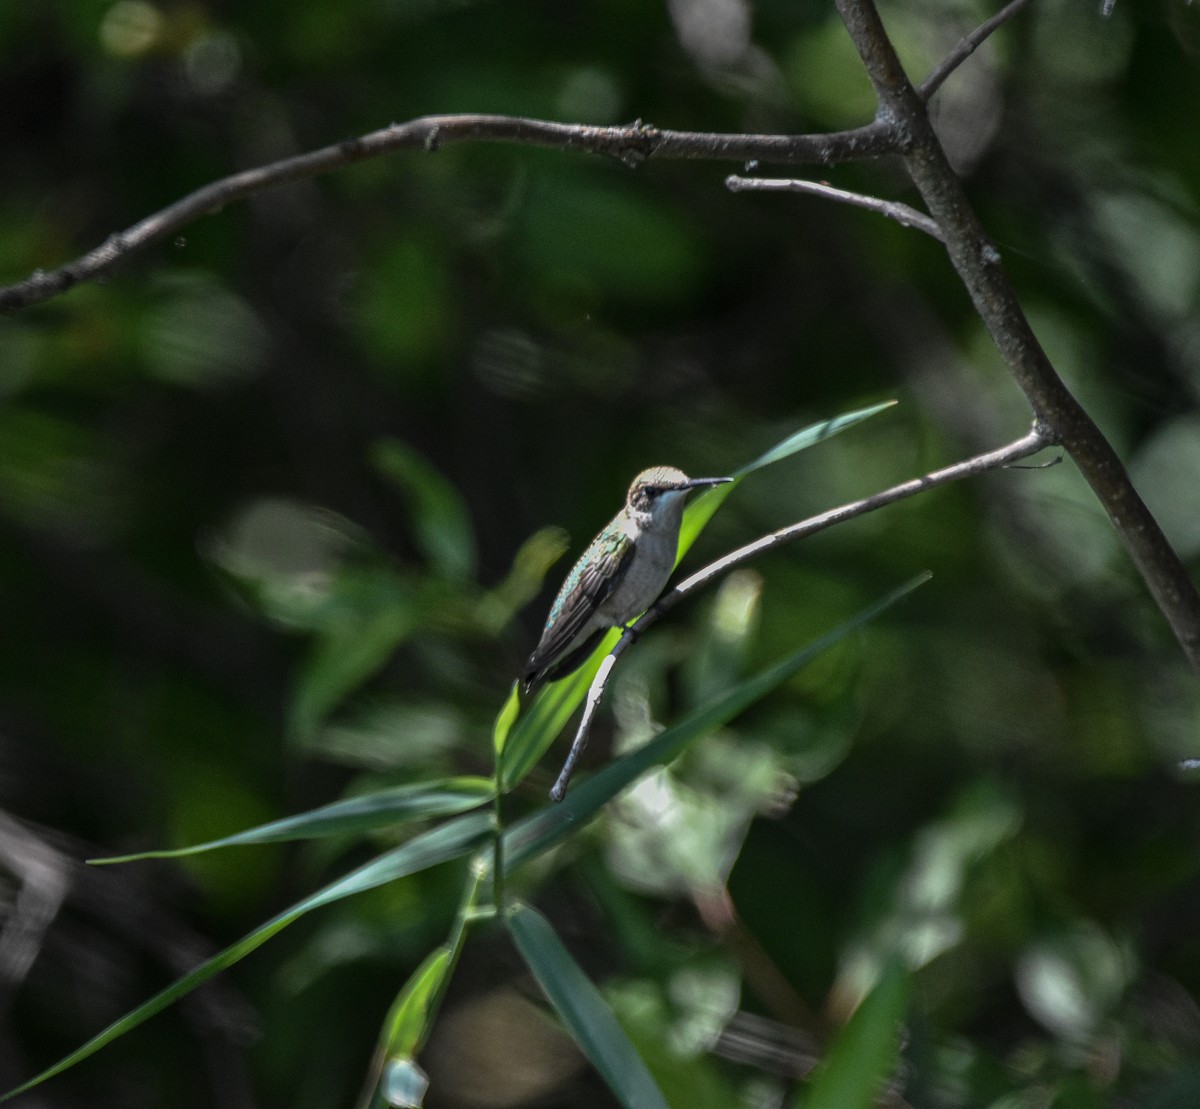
(662, 487)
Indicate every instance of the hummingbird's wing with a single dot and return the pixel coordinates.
(589, 584)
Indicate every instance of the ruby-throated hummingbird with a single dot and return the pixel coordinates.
(618, 577)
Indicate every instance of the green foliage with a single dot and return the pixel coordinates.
(575, 1000)
(583, 1011)
(859, 1064)
(275, 495)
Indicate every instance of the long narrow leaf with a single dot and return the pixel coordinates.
(505, 719)
(544, 828)
(407, 1021)
(584, 1012)
(395, 1077)
(702, 508)
(385, 808)
(862, 1058)
(814, 433)
(456, 838)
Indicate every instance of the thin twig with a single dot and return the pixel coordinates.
(893, 209)
(966, 47)
(979, 266)
(632, 144)
(1037, 439)
(595, 693)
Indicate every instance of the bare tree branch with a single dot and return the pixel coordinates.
(966, 47)
(979, 266)
(632, 144)
(893, 209)
(1027, 445)
(902, 127)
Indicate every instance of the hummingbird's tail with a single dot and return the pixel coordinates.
(538, 670)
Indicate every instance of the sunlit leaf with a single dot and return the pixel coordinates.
(702, 508)
(505, 719)
(813, 434)
(542, 724)
(857, 1066)
(583, 1011)
(409, 1016)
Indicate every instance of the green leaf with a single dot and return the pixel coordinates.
(524, 581)
(546, 827)
(863, 1057)
(813, 434)
(505, 719)
(449, 841)
(409, 1017)
(702, 508)
(384, 808)
(345, 658)
(440, 520)
(583, 1012)
(394, 1074)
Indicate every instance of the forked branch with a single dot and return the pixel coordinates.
(903, 214)
(967, 46)
(978, 263)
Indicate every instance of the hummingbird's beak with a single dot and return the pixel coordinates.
(699, 482)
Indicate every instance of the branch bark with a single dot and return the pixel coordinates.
(901, 127)
(967, 46)
(903, 214)
(631, 144)
(979, 266)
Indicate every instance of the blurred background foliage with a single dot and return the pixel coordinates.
(277, 500)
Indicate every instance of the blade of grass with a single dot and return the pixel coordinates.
(541, 830)
(385, 808)
(701, 509)
(407, 1020)
(862, 1058)
(814, 433)
(449, 841)
(505, 719)
(584, 1012)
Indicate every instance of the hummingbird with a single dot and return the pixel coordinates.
(618, 577)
